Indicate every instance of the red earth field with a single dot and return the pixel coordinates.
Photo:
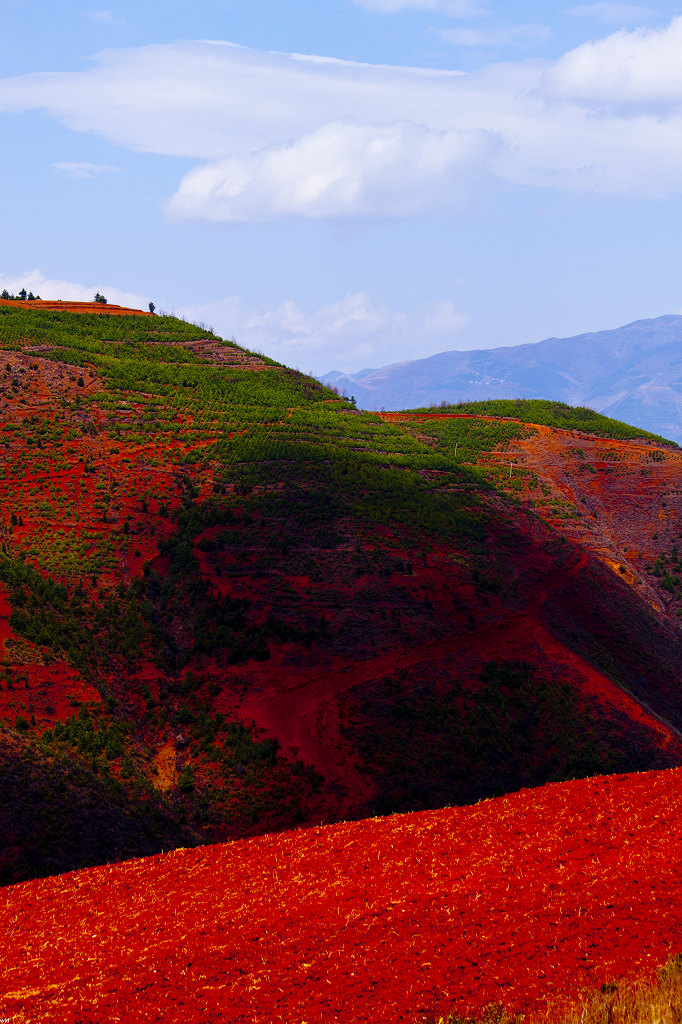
(62, 306)
(515, 901)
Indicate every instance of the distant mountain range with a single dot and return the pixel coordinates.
(633, 373)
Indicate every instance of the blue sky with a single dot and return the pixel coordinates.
(347, 183)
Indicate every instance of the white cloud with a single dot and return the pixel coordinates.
(443, 317)
(505, 35)
(293, 135)
(52, 288)
(342, 169)
(355, 331)
(640, 68)
(453, 8)
(83, 169)
(613, 13)
(106, 16)
(210, 101)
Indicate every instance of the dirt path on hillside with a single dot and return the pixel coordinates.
(305, 714)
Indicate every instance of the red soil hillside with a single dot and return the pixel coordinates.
(515, 901)
(240, 603)
(619, 499)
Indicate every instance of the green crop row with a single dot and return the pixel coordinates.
(550, 414)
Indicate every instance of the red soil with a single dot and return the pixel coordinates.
(49, 692)
(5, 612)
(514, 901)
(632, 495)
(525, 635)
(75, 307)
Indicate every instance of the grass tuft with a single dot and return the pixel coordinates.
(630, 1002)
(657, 1001)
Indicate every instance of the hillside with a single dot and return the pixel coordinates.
(230, 603)
(515, 901)
(633, 373)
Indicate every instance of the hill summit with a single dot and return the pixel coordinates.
(633, 373)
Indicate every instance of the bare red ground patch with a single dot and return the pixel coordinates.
(5, 612)
(36, 685)
(514, 901)
(48, 693)
(63, 306)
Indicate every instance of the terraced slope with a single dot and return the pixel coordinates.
(514, 901)
(239, 604)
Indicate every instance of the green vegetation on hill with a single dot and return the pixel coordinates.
(261, 430)
(550, 414)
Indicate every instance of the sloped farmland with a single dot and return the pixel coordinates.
(514, 901)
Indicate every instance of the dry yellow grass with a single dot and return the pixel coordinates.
(636, 1002)
(627, 1002)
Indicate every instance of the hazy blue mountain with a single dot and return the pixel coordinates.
(633, 373)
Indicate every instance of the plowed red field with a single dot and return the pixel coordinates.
(63, 306)
(514, 901)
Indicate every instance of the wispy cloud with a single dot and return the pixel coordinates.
(613, 13)
(84, 169)
(505, 35)
(357, 330)
(108, 17)
(453, 8)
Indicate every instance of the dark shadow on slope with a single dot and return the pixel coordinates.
(57, 814)
(430, 743)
